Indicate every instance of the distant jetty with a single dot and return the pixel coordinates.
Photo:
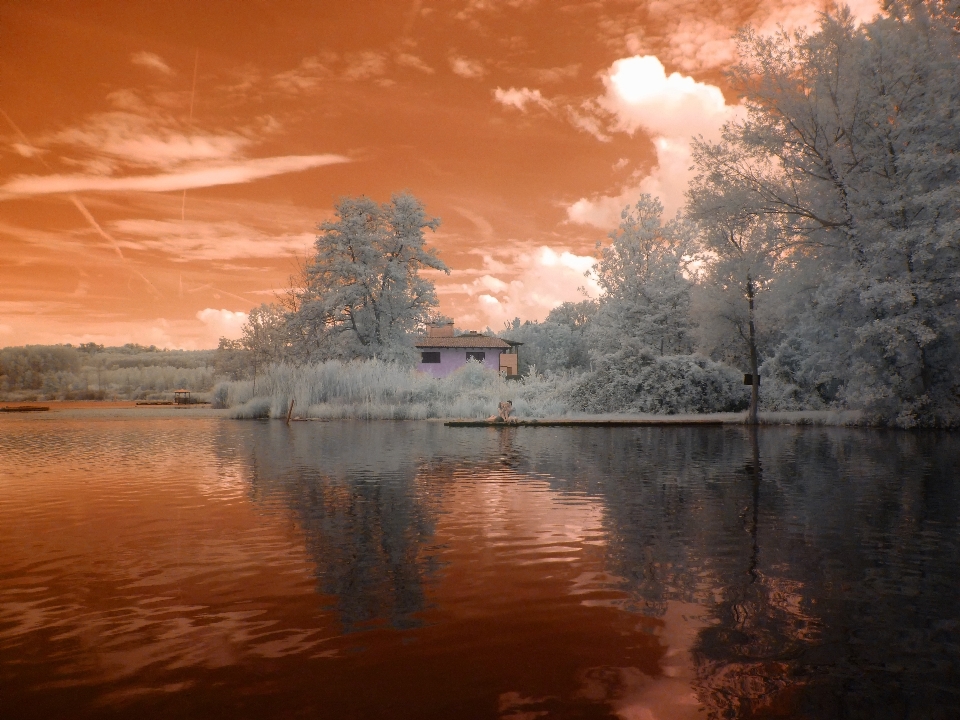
(24, 408)
(598, 422)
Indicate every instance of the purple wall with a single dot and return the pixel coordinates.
(453, 358)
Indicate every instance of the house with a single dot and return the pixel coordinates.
(441, 352)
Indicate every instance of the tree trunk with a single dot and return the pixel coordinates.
(754, 370)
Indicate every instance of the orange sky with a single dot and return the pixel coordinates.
(525, 125)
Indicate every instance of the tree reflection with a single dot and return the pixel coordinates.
(826, 559)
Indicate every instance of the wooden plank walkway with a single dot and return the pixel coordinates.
(613, 422)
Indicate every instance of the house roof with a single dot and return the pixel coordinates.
(461, 341)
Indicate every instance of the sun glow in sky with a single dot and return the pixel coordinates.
(163, 165)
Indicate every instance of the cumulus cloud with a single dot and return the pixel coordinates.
(221, 323)
(242, 171)
(640, 94)
(520, 97)
(537, 281)
(152, 61)
(467, 68)
(672, 109)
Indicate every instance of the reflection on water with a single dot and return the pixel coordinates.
(213, 568)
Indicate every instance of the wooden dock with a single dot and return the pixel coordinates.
(24, 408)
(733, 419)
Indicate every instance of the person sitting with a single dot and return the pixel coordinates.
(503, 412)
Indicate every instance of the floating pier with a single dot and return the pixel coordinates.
(598, 422)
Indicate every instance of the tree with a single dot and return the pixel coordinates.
(363, 292)
(646, 296)
(851, 144)
(741, 251)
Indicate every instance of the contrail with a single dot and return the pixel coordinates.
(88, 216)
(411, 18)
(193, 93)
(208, 286)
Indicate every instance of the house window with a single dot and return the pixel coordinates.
(479, 356)
(429, 357)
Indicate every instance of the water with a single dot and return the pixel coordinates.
(209, 568)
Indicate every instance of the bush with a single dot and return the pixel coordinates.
(671, 384)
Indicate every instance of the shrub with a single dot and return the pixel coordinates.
(671, 384)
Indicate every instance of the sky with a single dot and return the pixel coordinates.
(163, 166)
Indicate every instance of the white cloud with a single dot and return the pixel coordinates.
(220, 323)
(519, 97)
(672, 109)
(538, 281)
(242, 171)
(467, 68)
(143, 141)
(641, 95)
(152, 61)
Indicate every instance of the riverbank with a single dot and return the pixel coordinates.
(821, 418)
(90, 409)
(120, 409)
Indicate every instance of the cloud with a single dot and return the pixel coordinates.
(152, 61)
(197, 240)
(700, 42)
(640, 94)
(146, 142)
(412, 61)
(221, 323)
(306, 77)
(467, 68)
(235, 173)
(27, 151)
(556, 74)
(365, 64)
(672, 109)
(538, 281)
(519, 98)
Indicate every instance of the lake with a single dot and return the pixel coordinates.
(202, 567)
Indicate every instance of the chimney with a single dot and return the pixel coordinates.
(442, 329)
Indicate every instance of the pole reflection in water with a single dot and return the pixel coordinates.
(410, 570)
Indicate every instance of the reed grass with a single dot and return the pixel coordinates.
(376, 390)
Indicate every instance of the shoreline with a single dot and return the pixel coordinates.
(129, 409)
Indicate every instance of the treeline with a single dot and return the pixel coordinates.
(91, 371)
(818, 253)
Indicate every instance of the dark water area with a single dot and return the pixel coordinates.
(208, 568)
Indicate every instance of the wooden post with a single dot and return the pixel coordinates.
(290, 411)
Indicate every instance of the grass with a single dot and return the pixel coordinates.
(375, 390)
